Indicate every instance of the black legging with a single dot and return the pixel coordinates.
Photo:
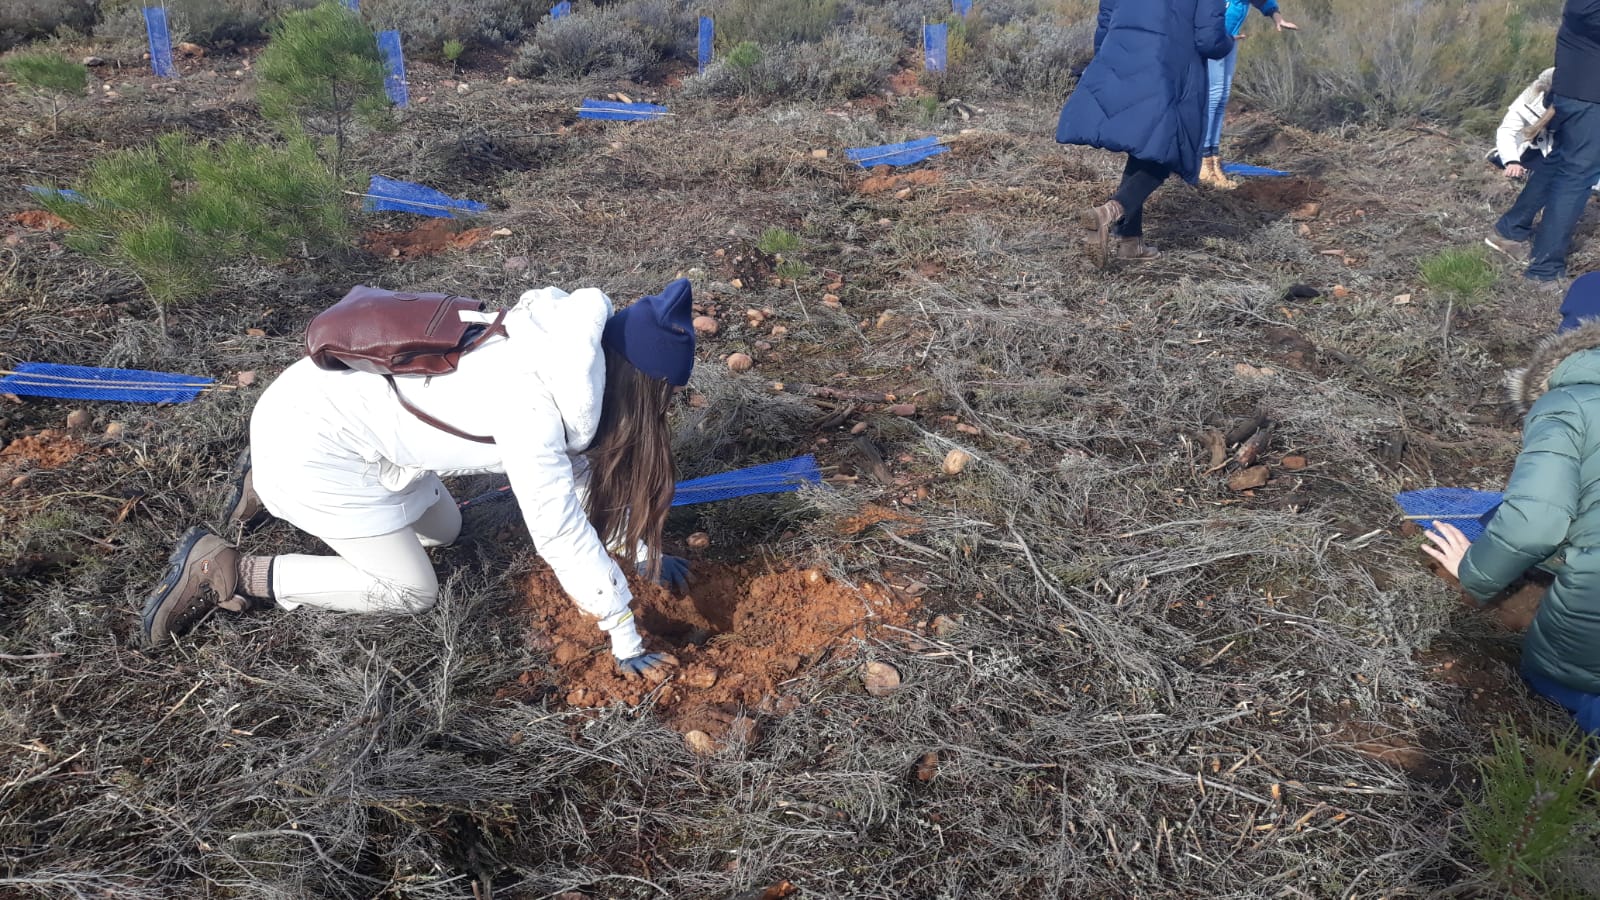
(1140, 178)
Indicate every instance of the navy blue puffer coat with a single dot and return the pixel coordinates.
(1145, 91)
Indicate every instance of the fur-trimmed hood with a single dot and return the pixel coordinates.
(1526, 385)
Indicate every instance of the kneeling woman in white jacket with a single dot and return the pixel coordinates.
(575, 399)
(1523, 139)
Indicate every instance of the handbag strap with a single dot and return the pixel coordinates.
(445, 427)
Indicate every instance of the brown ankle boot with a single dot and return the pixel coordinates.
(202, 572)
(1136, 250)
(1212, 176)
(1104, 217)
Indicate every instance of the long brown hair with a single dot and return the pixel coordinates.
(631, 472)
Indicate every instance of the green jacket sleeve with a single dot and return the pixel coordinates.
(1540, 503)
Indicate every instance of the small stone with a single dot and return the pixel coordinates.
(516, 264)
(955, 462)
(964, 428)
(1340, 292)
(1250, 478)
(699, 742)
(500, 232)
(831, 301)
(927, 766)
(778, 387)
(858, 428)
(1294, 463)
(116, 430)
(699, 541)
(740, 362)
(245, 378)
(706, 325)
(815, 576)
(256, 332)
(819, 153)
(884, 318)
(19, 481)
(93, 61)
(944, 626)
(701, 678)
(903, 194)
(763, 346)
(880, 679)
(1402, 299)
(1303, 230)
(194, 51)
(78, 419)
(566, 652)
(901, 409)
(736, 283)
(697, 401)
(462, 88)
(576, 698)
(1306, 211)
(779, 330)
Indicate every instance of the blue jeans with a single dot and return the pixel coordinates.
(1559, 188)
(1585, 708)
(1219, 73)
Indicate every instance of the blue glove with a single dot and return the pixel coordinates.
(650, 666)
(674, 572)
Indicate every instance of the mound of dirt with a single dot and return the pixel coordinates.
(40, 220)
(883, 180)
(1280, 194)
(428, 239)
(740, 632)
(49, 449)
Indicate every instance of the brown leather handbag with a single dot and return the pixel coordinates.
(393, 333)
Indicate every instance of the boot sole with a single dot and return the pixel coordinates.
(169, 581)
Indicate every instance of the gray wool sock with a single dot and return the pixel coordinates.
(255, 577)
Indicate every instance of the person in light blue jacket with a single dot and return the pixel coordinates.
(1220, 76)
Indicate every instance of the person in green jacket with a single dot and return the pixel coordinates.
(1551, 512)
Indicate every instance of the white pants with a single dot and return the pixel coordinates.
(389, 573)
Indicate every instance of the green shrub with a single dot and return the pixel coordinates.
(1376, 60)
(52, 81)
(1037, 57)
(775, 21)
(425, 25)
(848, 63)
(452, 50)
(1463, 276)
(319, 72)
(176, 212)
(778, 240)
(1532, 817)
(26, 20)
(210, 23)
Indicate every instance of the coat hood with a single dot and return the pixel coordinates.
(1526, 385)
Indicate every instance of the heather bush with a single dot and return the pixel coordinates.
(848, 63)
(1372, 60)
(210, 23)
(1035, 58)
(775, 21)
(622, 39)
(425, 25)
(25, 20)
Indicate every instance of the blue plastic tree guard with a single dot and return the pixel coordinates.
(406, 196)
(902, 154)
(353, 5)
(63, 193)
(1248, 170)
(620, 112)
(708, 33)
(64, 382)
(782, 477)
(963, 8)
(1467, 509)
(936, 47)
(155, 26)
(394, 62)
(564, 8)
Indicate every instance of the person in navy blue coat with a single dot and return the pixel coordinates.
(1144, 94)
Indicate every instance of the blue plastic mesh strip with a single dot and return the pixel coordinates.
(962, 7)
(63, 193)
(394, 62)
(619, 112)
(902, 154)
(708, 33)
(353, 5)
(88, 383)
(155, 25)
(404, 196)
(769, 478)
(1467, 509)
(564, 8)
(1248, 170)
(935, 46)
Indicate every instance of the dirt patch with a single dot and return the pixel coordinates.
(428, 239)
(740, 632)
(907, 83)
(40, 220)
(49, 449)
(883, 180)
(1280, 194)
(871, 515)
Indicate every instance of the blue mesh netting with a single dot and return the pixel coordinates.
(64, 193)
(155, 25)
(962, 7)
(902, 154)
(404, 196)
(394, 63)
(770, 478)
(89, 383)
(1464, 508)
(1249, 170)
(708, 33)
(935, 46)
(564, 8)
(619, 112)
(353, 5)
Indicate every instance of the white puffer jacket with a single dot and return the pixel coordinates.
(1509, 139)
(336, 455)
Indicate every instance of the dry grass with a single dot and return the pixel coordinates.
(1149, 689)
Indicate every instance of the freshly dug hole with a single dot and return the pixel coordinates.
(739, 632)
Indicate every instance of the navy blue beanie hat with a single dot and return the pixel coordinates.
(1582, 303)
(656, 334)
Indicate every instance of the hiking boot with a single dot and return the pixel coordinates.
(1135, 249)
(1547, 285)
(243, 511)
(1212, 176)
(1104, 217)
(202, 573)
(1517, 250)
